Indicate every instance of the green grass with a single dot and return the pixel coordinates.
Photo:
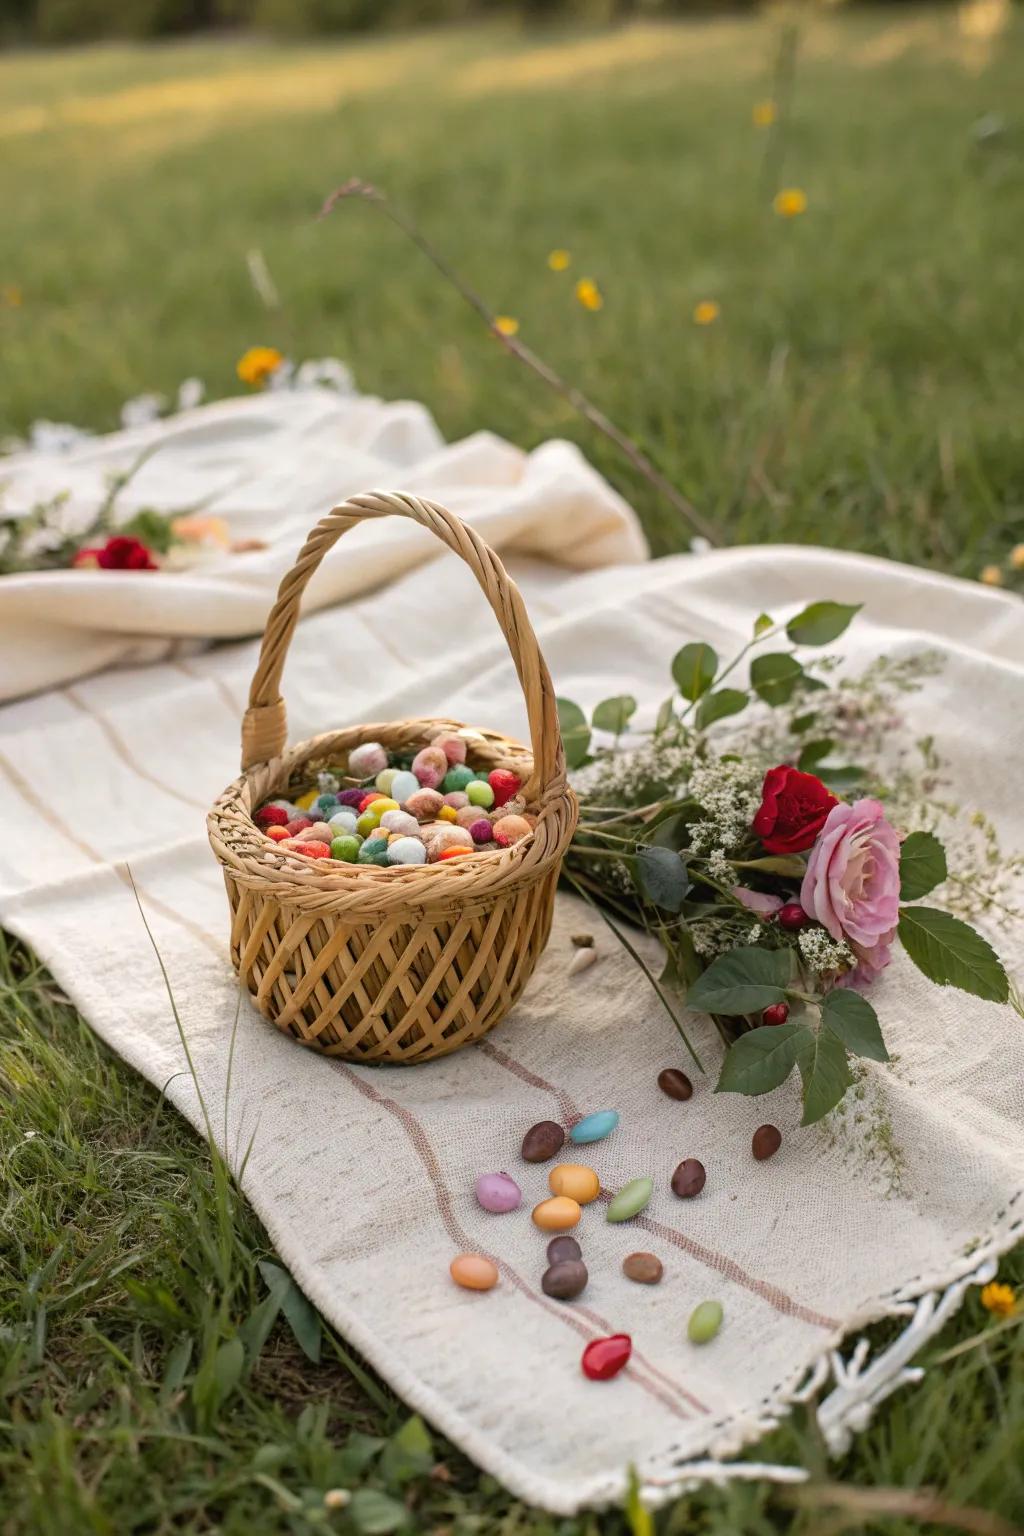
(862, 388)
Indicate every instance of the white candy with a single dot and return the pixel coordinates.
(407, 850)
(399, 821)
(403, 785)
(342, 821)
(367, 760)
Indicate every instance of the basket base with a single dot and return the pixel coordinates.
(395, 991)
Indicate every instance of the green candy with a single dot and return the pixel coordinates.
(373, 851)
(346, 848)
(479, 792)
(705, 1322)
(457, 778)
(631, 1199)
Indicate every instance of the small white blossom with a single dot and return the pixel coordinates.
(140, 411)
(729, 795)
(325, 373)
(719, 867)
(190, 393)
(754, 934)
(822, 954)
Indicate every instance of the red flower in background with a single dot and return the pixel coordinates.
(794, 808)
(118, 554)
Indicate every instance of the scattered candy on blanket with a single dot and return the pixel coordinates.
(561, 1248)
(505, 784)
(479, 792)
(498, 1192)
(766, 1141)
(457, 778)
(630, 1200)
(406, 850)
(368, 760)
(643, 1268)
(576, 1180)
(595, 1127)
(509, 830)
(480, 831)
(604, 1358)
(557, 1214)
(689, 1179)
(474, 1272)
(675, 1084)
(705, 1321)
(565, 1280)
(542, 1141)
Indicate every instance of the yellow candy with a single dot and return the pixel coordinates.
(556, 1215)
(576, 1181)
(378, 807)
(447, 813)
(305, 801)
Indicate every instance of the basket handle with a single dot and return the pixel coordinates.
(265, 726)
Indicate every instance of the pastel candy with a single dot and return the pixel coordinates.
(406, 850)
(453, 747)
(479, 792)
(403, 786)
(498, 1192)
(373, 851)
(557, 1214)
(456, 798)
(474, 1272)
(595, 1127)
(346, 848)
(424, 804)
(385, 779)
(467, 815)
(576, 1180)
(509, 829)
(366, 761)
(430, 766)
(457, 778)
(440, 837)
(400, 821)
(705, 1321)
(342, 822)
(630, 1200)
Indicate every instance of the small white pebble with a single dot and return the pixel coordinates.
(582, 960)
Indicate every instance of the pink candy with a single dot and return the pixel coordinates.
(424, 804)
(430, 766)
(453, 747)
(480, 831)
(456, 798)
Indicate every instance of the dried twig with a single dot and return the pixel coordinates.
(853, 1505)
(633, 452)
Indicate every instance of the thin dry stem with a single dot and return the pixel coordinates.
(575, 397)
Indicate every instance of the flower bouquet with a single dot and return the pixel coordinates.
(777, 874)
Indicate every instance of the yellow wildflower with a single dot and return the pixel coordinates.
(255, 366)
(992, 576)
(706, 312)
(558, 260)
(764, 113)
(1017, 557)
(999, 1299)
(790, 202)
(506, 325)
(10, 296)
(589, 294)
(202, 530)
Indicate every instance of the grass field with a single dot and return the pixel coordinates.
(861, 387)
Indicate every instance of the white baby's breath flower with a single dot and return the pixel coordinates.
(754, 933)
(822, 953)
(143, 409)
(190, 393)
(719, 867)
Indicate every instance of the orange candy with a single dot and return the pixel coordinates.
(557, 1214)
(576, 1181)
(455, 853)
(473, 1272)
(277, 834)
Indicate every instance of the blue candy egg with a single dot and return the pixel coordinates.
(595, 1127)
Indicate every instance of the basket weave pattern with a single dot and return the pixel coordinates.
(397, 964)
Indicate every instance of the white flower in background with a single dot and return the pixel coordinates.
(719, 867)
(729, 794)
(699, 545)
(190, 394)
(143, 409)
(754, 934)
(325, 373)
(282, 376)
(55, 436)
(822, 953)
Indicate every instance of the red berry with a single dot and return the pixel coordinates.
(505, 784)
(271, 816)
(792, 916)
(298, 825)
(604, 1358)
(776, 1013)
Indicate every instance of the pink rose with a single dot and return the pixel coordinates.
(757, 901)
(852, 884)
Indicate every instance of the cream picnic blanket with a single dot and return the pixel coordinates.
(365, 1178)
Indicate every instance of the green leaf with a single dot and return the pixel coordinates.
(950, 953)
(176, 1369)
(813, 753)
(789, 864)
(666, 715)
(376, 1514)
(743, 981)
(774, 677)
(303, 1318)
(662, 878)
(825, 1071)
(853, 1019)
(228, 1364)
(838, 779)
(922, 865)
(762, 624)
(408, 1454)
(719, 705)
(638, 1517)
(575, 732)
(762, 1058)
(821, 623)
(694, 669)
(614, 714)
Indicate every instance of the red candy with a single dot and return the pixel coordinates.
(271, 816)
(605, 1358)
(505, 784)
(277, 834)
(312, 850)
(368, 799)
(298, 825)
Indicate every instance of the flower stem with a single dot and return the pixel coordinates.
(575, 397)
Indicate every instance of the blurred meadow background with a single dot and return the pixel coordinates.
(798, 233)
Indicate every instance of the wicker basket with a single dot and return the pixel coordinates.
(397, 964)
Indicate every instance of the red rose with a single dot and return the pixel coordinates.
(120, 553)
(794, 807)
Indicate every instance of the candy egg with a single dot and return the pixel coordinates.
(403, 786)
(456, 798)
(353, 798)
(440, 837)
(366, 824)
(312, 850)
(366, 761)
(446, 813)
(385, 779)
(342, 822)
(630, 1200)
(457, 778)
(430, 766)
(453, 747)
(705, 1321)
(326, 802)
(468, 815)
(473, 1272)
(304, 802)
(480, 831)
(604, 1358)
(565, 1280)
(576, 1180)
(277, 834)
(424, 804)
(557, 1214)
(400, 821)
(373, 851)
(509, 830)
(504, 783)
(298, 825)
(319, 832)
(370, 796)
(453, 853)
(271, 816)
(497, 1192)
(479, 792)
(596, 1126)
(346, 848)
(406, 850)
